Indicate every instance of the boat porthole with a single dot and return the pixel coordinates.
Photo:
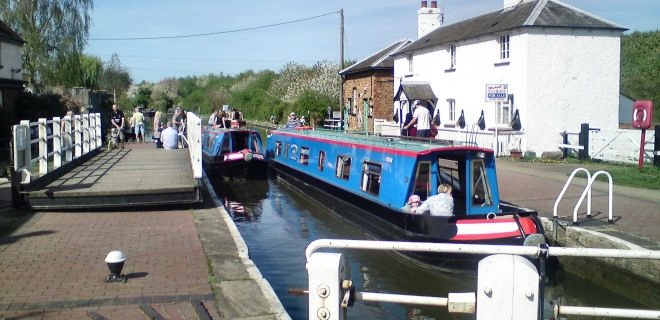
(491, 215)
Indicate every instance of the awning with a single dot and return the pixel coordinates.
(415, 91)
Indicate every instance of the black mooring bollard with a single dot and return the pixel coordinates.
(584, 142)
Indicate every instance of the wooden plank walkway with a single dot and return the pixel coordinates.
(139, 175)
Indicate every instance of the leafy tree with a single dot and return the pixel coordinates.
(55, 32)
(314, 104)
(114, 77)
(91, 68)
(640, 63)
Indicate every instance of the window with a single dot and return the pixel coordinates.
(321, 160)
(304, 156)
(410, 63)
(354, 100)
(422, 186)
(343, 167)
(452, 56)
(505, 111)
(449, 173)
(286, 151)
(278, 148)
(480, 188)
(504, 47)
(452, 109)
(371, 177)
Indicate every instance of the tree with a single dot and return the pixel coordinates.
(90, 71)
(55, 32)
(640, 63)
(114, 77)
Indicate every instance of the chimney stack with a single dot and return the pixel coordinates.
(428, 19)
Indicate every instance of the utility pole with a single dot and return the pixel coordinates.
(341, 67)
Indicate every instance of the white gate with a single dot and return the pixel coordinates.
(620, 145)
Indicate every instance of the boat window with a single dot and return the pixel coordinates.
(304, 155)
(278, 148)
(240, 141)
(255, 145)
(286, 151)
(225, 144)
(422, 186)
(343, 167)
(481, 191)
(321, 160)
(449, 174)
(371, 177)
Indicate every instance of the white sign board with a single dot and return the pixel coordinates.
(497, 92)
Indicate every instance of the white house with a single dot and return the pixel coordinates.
(557, 65)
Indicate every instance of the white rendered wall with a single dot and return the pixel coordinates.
(574, 79)
(10, 58)
(559, 79)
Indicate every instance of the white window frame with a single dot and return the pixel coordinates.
(452, 109)
(452, 56)
(410, 63)
(504, 47)
(504, 111)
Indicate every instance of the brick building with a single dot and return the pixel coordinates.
(369, 87)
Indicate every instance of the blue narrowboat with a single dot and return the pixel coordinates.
(375, 175)
(236, 151)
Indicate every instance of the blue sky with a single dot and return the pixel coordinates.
(370, 25)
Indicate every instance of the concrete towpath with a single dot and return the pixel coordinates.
(184, 262)
(636, 211)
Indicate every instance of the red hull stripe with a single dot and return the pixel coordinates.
(487, 236)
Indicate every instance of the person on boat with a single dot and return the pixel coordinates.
(412, 205)
(225, 122)
(421, 117)
(170, 137)
(293, 122)
(302, 121)
(441, 204)
(213, 117)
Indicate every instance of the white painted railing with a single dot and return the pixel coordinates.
(193, 138)
(500, 290)
(55, 142)
(585, 193)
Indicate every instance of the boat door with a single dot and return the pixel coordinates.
(482, 187)
(422, 183)
(255, 142)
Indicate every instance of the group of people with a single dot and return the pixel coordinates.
(441, 204)
(166, 137)
(421, 121)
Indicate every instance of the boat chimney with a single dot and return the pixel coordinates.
(428, 19)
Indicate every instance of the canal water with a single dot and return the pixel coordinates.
(278, 221)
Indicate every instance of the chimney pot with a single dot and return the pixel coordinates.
(424, 4)
(434, 4)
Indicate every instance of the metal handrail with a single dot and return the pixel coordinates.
(479, 249)
(563, 190)
(588, 190)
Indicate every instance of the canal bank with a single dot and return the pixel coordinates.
(182, 263)
(635, 227)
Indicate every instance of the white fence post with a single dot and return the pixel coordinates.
(43, 146)
(57, 143)
(99, 134)
(77, 136)
(85, 133)
(325, 271)
(68, 145)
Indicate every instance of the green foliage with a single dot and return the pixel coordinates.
(114, 77)
(55, 32)
(313, 105)
(142, 97)
(640, 63)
